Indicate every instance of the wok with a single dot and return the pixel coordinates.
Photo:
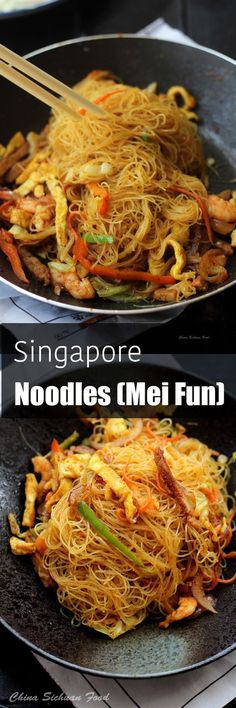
(210, 76)
(32, 613)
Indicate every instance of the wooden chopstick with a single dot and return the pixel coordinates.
(27, 85)
(14, 60)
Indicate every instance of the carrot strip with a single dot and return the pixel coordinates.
(175, 438)
(128, 274)
(10, 250)
(40, 544)
(55, 447)
(199, 200)
(231, 554)
(148, 503)
(212, 496)
(121, 515)
(80, 249)
(99, 191)
(149, 430)
(227, 581)
(108, 94)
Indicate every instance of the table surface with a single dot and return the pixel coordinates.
(211, 23)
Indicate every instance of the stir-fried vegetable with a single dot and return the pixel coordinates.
(97, 238)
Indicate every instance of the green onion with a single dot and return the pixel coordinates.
(232, 459)
(70, 440)
(146, 137)
(103, 530)
(65, 443)
(97, 238)
(62, 267)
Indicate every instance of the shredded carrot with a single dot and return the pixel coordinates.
(96, 72)
(40, 544)
(121, 515)
(10, 250)
(231, 554)
(109, 93)
(55, 447)
(212, 495)
(227, 581)
(200, 201)
(175, 438)
(80, 248)
(99, 191)
(143, 505)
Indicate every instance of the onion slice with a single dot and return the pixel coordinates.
(205, 601)
(132, 435)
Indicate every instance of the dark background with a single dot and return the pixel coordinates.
(209, 22)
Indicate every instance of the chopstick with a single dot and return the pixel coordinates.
(13, 60)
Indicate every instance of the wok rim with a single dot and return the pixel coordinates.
(105, 674)
(149, 309)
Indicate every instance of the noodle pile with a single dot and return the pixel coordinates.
(162, 494)
(118, 197)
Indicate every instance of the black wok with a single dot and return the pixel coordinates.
(33, 614)
(210, 76)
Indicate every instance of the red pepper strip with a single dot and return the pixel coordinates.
(108, 94)
(55, 447)
(127, 274)
(200, 201)
(10, 250)
(80, 249)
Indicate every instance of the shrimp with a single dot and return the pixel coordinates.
(79, 289)
(186, 607)
(221, 209)
(166, 294)
(212, 266)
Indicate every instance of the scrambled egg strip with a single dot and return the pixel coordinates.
(31, 488)
(116, 484)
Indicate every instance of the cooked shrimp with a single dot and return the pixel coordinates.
(186, 607)
(79, 289)
(212, 266)
(221, 209)
(166, 294)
